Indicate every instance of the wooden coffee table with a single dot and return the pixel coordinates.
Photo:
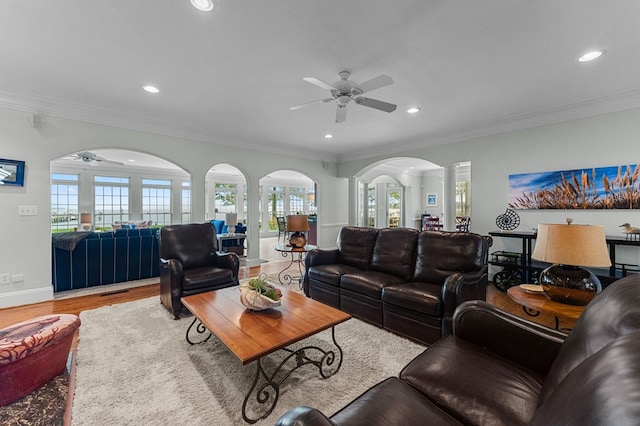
(250, 336)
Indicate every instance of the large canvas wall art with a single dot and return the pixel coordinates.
(616, 187)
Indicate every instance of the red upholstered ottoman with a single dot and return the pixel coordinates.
(33, 352)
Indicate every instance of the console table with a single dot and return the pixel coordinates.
(226, 236)
(520, 268)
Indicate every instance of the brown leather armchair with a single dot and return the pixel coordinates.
(189, 264)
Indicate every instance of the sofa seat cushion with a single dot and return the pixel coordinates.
(205, 276)
(368, 283)
(481, 387)
(415, 296)
(392, 402)
(330, 274)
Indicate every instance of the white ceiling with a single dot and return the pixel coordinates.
(229, 76)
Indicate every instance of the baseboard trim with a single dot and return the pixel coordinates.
(26, 297)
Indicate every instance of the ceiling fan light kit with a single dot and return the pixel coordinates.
(344, 91)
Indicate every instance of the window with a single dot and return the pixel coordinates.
(372, 206)
(111, 200)
(156, 201)
(394, 195)
(225, 197)
(275, 206)
(297, 201)
(186, 202)
(64, 202)
(463, 201)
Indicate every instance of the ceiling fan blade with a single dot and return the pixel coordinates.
(376, 104)
(341, 114)
(376, 83)
(293, 108)
(319, 83)
(104, 160)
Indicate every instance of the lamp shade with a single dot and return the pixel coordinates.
(297, 222)
(576, 245)
(85, 217)
(231, 219)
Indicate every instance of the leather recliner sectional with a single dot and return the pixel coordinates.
(499, 369)
(407, 281)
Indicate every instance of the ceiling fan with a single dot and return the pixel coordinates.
(92, 158)
(345, 91)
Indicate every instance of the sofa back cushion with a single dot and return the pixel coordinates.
(193, 244)
(355, 245)
(602, 390)
(394, 252)
(442, 253)
(613, 313)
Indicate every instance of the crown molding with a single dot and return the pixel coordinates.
(589, 108)
(102, 116)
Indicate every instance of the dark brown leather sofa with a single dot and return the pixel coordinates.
(499, 369)
(189, 264)
(399, 278)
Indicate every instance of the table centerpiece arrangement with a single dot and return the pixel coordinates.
(258, 294)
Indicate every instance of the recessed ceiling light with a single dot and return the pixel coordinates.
(150, 89)
(328, 136)
(590, 56)
(203, 5)
(131, 160)
(413, 110)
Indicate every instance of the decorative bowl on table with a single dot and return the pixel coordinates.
(258, 294)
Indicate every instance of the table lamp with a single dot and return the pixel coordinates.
(85, 221)
(297, 224)
(569, 247)
(231, 219)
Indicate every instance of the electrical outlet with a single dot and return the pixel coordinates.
(5, 278)
(17, 278)
(27, 210)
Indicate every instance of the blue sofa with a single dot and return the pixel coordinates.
(88, 259)
(237, 245)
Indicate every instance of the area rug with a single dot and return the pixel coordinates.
(134, 367)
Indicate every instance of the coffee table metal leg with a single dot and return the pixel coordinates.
(272, 382)
(199, 329)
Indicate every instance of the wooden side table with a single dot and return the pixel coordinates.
(533, 304)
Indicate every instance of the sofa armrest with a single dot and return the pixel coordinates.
(228, 260)
(459, 288)
(517, 339)
(304, 416)
(314, 258)
(321, 257)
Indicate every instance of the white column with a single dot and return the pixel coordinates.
(253, 231)
(449, 198)
(353, 200)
